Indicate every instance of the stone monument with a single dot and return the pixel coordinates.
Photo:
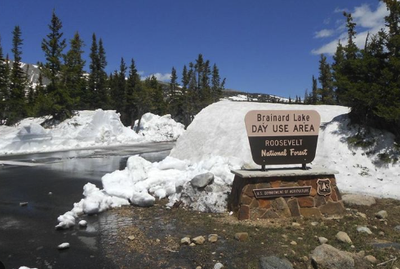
(282, 137)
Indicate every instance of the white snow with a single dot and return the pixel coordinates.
(63, 245)
(86, 129)
(215, 142)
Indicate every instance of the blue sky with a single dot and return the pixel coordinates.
(266, 46)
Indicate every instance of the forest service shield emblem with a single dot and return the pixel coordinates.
(324, 187)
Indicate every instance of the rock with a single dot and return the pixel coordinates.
(343, 237)
(293, 243)
(198, 267)
(281, 207)
(381, 233)
(370, 259)
(63, 246)
(364, 216)
(358, 199)
(397, 228)
(202, 180)
(185, 241)
(244, 212)
(199, 240)
(381, 214)
(213, 238)
(363, 229)
(82, 223)
(241, 236)
(218, 265)
(273, 262)
(322, 240)
(23, 204)
(192, 244)
(326, 256)
(295, 224)
(50, 193)
(332, 208)
(314, 223)
(131, 237)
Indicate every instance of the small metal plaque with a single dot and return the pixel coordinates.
(281, 192)
(324, 187)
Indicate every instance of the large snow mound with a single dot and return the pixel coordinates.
(85, 129)
(217, 142)
(219, 130)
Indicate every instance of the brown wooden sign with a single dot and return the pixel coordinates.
(283, 136)
(281, 192)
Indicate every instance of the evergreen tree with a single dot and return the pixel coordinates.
(132, 85)
(4, 84)
(91, 95)
(216, 86)
(314, 92)
(61, 102)
(97, 83)
(53, 47)
(174, 99)
(338, 73)
(17, 81)
(326, 81)
(72, 72)
(119, 92)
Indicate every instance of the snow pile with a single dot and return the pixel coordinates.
(239, 97)
(157, 128)
(142, 182)
(360, 170)
(95, 201)
(217, 142)
(86, 129)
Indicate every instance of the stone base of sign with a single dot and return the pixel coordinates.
(317, 203)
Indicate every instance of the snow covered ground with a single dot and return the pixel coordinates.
(86, 129)
(217, 142)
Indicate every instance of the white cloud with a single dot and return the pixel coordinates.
(161, 77)
(367, 20)
(324, 33)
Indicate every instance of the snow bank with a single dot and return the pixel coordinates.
(360, 169)
(157, 128)
(86, 129)
(217, 142)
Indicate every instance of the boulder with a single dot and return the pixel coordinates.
(381, 214)
(343, 237)
(325, 256)
(273, 262)
(358, 199)
(202, 180)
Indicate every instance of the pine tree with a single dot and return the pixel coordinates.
(53, 47)
(62, 104)
(338, 74)
(326, 81)
(4, 85)
(97, 83)
(119, 93)
(314, 92)
(90, 98)
(72, 72)
(133, 82)
(17, 81)
(216, 87)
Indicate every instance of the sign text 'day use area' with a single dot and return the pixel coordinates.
(283, 136)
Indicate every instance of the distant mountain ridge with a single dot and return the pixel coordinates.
(32, 72)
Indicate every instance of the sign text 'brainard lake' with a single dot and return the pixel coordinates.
(283, 136)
